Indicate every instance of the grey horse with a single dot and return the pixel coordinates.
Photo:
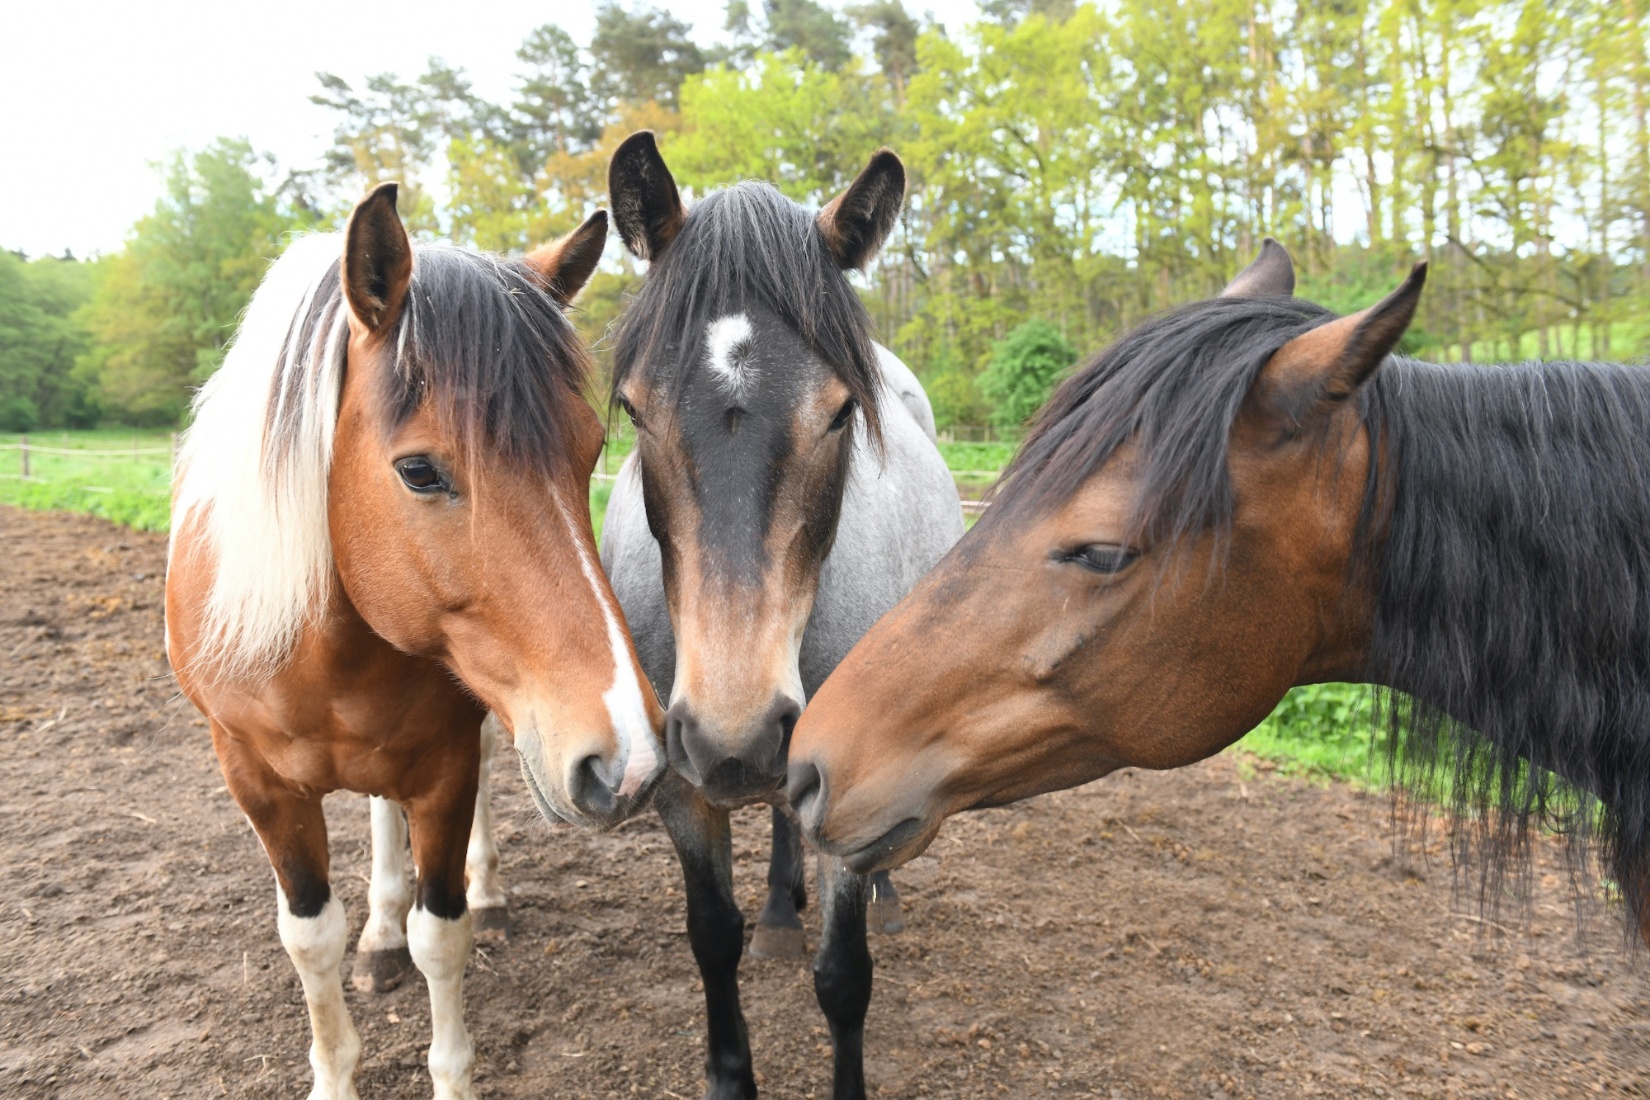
(786, 491)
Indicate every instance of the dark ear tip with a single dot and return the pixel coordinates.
(641, 141)
(389, 191)
(597, 220)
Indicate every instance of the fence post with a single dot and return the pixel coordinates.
(23, 449)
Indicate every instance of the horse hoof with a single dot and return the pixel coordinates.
(380, 971)
(772, 941)
(491, 925)
(883, 914)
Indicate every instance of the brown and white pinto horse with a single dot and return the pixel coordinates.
(1246, 494)
(380, 532)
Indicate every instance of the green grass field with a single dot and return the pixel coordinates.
(125, 476)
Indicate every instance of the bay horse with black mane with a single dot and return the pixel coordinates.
(380, 532)
(1250, 493)
(785, 491)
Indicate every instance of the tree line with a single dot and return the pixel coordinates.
(1072, 169)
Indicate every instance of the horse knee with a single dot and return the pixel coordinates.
(842, 983)
(440, 946)
(314, 941)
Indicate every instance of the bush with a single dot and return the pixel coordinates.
(1025, 367)
(18, 414)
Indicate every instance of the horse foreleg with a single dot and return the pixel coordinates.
(309, 916)
(489, 908)
(716, 931)
(438, 928)
(842, 975)
(381, 957)
(778, 932)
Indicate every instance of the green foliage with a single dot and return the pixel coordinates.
(641, 55)
(166, 307)
(41, 335)
(785, 119)
(133, 489)
(1025, 367)
(1323, 730)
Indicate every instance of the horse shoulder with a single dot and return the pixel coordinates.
(903, 382)
(635, 569)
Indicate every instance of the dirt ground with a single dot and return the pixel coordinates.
(1217, 932)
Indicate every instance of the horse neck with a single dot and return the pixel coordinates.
(1511, 582)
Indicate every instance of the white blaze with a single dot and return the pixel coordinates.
(624, 698)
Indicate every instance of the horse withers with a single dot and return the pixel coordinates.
(380, 532)
(1246, 494)
(785, 491)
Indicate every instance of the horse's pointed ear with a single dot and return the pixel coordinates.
(378, 260)
(646, 206)
(856, 222)
(562, 267)
(1330, 362)
(1269, 275)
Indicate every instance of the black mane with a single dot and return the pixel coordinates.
(478, 338)
(1507, 535)
(1513, 601)
(748, 246)
(1172, 386)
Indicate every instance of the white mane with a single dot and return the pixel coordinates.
(252, 468)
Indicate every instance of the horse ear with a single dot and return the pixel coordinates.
(856, 222)
(646, 206)
(1270, 275)
(378, 260)
(563, 267)
(1330, 362)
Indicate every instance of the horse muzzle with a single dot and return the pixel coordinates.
(731, 771)
(864, 850)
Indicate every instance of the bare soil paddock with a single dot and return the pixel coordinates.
(1210, 933)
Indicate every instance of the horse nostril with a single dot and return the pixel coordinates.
(805, 788)
(785, 717)
(591, 793)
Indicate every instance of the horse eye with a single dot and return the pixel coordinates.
(1103, 558)
(844, 414)
(419, 474)
(630, 411)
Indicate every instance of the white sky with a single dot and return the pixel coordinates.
(95, 92)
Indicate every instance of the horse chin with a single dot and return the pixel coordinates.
(899, 845)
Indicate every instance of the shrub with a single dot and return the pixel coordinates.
(1025, 366)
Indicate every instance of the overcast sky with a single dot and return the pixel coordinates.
(95, 93)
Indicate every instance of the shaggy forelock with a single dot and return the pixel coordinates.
(747, 246)
(1172, 388)
(481, 343)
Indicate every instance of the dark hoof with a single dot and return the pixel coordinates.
(772, 941)
(380, 971)
(491, 925)
(730, 1090)
(884, 915)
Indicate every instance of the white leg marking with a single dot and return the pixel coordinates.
(483, 889)
(389, 895)
(440, 948)
(624, 698)
(316, 947)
